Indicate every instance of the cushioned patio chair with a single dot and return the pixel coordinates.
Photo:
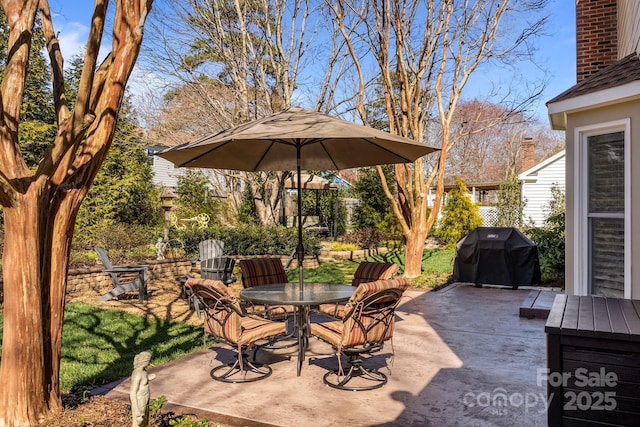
(366, 272)
(265, 271)
(262, 271)
(268, 271)
(225, 320)
(368, 322)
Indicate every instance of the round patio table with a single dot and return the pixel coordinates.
(302, 298)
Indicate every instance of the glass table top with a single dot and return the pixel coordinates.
(294, 294)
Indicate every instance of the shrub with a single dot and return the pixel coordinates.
(249, 239)
(510, 204)
(459, 215)
(551, 238)
(125, 242)
(366, 238)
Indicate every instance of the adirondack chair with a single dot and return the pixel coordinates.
(218, 269)
(209, 249)
(213, 265)
(125, 278)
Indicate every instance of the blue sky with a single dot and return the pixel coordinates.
(556, 49)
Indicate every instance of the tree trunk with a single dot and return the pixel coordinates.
(414, 247)
(40, 206)
(35, 263)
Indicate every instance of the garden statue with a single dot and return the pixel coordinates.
(139, 393)
(161, 248)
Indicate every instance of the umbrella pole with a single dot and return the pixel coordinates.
(300, 248)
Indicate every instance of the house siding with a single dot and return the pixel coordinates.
(595, 116)
(536, 189)
(628, 27)
(165, 174)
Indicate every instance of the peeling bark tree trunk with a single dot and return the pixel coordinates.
(40, 207)
(35, 264)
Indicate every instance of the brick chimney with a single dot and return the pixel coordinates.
(527, 154)
(596, 36)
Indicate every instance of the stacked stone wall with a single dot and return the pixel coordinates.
(93, 279)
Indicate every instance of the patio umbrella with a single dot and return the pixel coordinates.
(296, 139)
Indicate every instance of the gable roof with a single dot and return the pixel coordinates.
(531, 173)
(616, 83)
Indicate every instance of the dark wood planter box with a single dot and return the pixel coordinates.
(593, 358)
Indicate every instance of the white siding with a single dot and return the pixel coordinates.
(628, 27)
(536, 187)
(165, 174)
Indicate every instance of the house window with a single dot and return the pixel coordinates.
(602, 220)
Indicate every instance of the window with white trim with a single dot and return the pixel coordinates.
(603, 239)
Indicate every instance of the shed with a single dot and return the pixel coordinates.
(497, 256)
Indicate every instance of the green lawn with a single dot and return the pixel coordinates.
(98, 346)
(437, 267)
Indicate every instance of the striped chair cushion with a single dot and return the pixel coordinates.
(370, 271)
(224, 309)
(255, 328)
(262, 271)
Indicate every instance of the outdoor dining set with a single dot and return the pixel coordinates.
(272, 314)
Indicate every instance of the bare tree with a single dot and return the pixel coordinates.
(241, 61)
(425, 53)
(40, 206)
(489, 140)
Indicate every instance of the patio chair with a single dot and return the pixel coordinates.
(124, 278)
(218, 269)
(225, 320)
(210, 248)
(366, 272)
(265, 271)
(213, 265)
(268, 271)
(368, 322)
(262, 271)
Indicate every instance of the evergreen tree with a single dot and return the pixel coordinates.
(194, 198)
(459, 215)
(374, 205)
(247, 212)
(510, 204)
(122, 191)
(38, 122)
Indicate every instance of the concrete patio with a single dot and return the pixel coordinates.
(463, 356)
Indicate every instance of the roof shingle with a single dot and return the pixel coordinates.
(624, 71)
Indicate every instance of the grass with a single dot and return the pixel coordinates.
(98, 346)
(437, 267)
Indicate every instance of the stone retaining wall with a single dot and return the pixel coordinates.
(93, 279)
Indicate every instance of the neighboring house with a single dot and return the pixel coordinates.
(601, 119)
(537, 183)
(166, 174)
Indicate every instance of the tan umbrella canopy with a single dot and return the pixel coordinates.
(271, 143)
(296, 139)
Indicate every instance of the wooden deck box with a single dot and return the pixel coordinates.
(593, 358)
